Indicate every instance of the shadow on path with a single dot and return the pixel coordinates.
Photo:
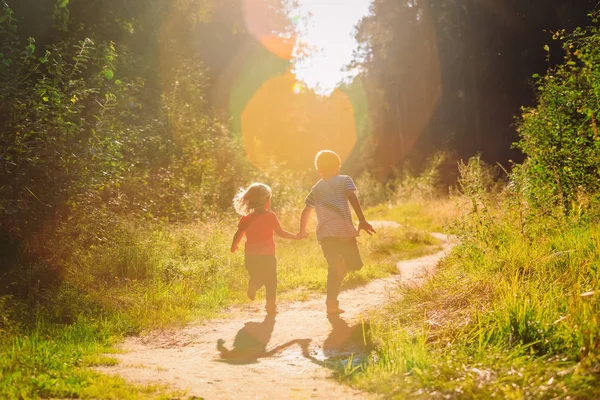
(344, 342)
(251, 342)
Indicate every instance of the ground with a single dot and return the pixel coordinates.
(248, 355)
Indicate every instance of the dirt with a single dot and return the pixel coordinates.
(249, 355)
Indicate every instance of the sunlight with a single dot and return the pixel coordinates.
(282, 89)
(326, 31)
(291, 126)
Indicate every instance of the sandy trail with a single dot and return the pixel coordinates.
(289, 356)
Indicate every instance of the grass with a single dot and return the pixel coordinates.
(149, 277)
(55, 361)
(426, 215)
(512, 313)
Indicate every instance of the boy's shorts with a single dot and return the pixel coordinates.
(347, 248)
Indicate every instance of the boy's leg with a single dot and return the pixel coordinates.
(341, 271)
(352, 260)
(335, 262)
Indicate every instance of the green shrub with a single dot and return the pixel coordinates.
(560, 136)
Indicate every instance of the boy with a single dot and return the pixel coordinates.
(335, 230)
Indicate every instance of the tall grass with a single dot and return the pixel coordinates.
(150, 276)
(512, 313)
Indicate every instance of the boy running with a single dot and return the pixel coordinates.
(335, 229)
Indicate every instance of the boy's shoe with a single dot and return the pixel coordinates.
(271, 308)
(333, 308)
(251, 291)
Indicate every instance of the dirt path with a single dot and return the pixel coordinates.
(250, 356)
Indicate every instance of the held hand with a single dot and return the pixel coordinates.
(301, 235)
(365, 226)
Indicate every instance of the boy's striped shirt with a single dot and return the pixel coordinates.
(328, 198)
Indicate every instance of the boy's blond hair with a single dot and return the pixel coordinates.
(327, 162)
(251, 199)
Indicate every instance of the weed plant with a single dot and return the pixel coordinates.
(512, 313)
(150, 276)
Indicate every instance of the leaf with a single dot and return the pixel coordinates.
(45, 98)
(118, 82)
(535, 76)
(109, 74)
(63, 3)
(546, 47)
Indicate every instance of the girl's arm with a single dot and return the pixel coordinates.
(236, 240)
(285, 234)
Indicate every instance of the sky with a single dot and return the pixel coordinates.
(329, 34)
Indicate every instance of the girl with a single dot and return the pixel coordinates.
(258, 223)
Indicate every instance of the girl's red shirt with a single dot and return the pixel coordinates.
(259, 228)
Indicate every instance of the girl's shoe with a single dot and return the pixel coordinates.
(251, 291)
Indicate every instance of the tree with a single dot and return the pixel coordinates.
(560, 135)
(447, 74)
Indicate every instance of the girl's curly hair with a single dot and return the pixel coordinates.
(252, 198)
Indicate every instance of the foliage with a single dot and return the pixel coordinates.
(61, 125)
(148, 278)
(510, 313)
(410, 184)
(560, 135)
(450, 74)
(86, 143)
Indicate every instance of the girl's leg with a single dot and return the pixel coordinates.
(270, 279)
(254, 270)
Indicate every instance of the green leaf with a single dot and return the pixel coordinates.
(546, 47)
(45, 98)
(109, 74)
(63, 3)
(535, 76)
(118, 82)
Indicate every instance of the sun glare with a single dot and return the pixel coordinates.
(282, 90)
(326, 30)
(297, 88)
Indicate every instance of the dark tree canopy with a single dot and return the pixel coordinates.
(445, 74)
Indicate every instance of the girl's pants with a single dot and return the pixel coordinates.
(263, 271)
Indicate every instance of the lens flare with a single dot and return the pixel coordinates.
(287, 127)
(297, 88)
(270, 27)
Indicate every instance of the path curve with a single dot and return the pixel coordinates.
(250, 356)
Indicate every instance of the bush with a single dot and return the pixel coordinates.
(560, 136)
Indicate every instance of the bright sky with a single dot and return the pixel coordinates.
(329, 34)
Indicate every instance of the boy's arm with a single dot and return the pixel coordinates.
(362, 222)
(304, 221)
(285, 234)
(236, 240)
